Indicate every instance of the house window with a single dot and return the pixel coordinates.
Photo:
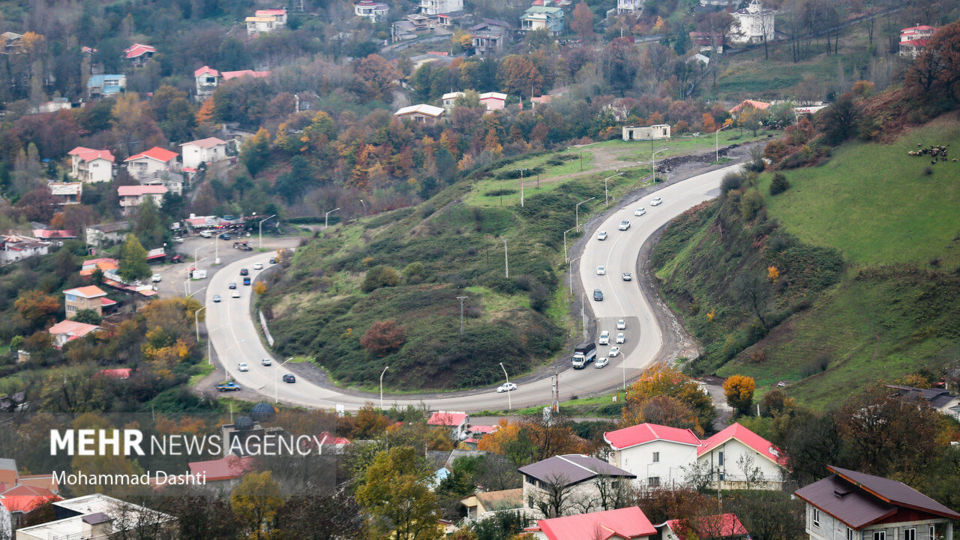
(653, 481)
(720, 458)
(850, 534)
(656, 457)
(909, 534)
(880, 535)
(816, 517)
(933, 532)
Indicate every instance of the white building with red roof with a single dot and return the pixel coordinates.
(138, 53)
(622, 524)
(493, 101)
(151, 164)
(658, 455)
(209, 150)
(266, 20)
(915, 39)
(90, 165)
(67, 330)
(737, 458)
(458, 422)
(207, 80)
(133, 196)
(726, 526)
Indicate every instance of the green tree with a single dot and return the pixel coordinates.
(133, 260)
(255, 502)
(779, 184)
(395, 494)
(88, 316)
(255, 151)
(380, 276)
(149, 227)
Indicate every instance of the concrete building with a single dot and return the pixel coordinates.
(755, 24)
(549, 18)
(576, 474)
(266, 21)
(90, 165)
(458, 422)
(100, 86)
(96, 517)
(90, 297)
(207, 79)
(436, 7)
(629, 6)
(151, 163)
(138, 53)
(371, 10)
(421, 114)
(737, 458)
(646, 133)
(105, 234)
(914, 40)
(133, 196)
(488, 36)
(209, 150)
(493, 101)
(485, 504)
(67, 330)
(449, 100)
(658, 455)
(66, 192)
(15, 247)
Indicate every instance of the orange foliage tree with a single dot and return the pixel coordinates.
(739, 391)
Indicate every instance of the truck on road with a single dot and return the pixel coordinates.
(583, 354)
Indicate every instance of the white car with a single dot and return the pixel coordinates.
(242, 366)
(640, 211)
(620, 338)
(601, 270)
(621, 324)
(235, 294)
(602, 235)
(258, 266)
(624, 225)
(614, 351)
(626, 276)
(506, 387)
(604, 338)
(657, 201)
(156, 278)
(601, 362)
(266, 362)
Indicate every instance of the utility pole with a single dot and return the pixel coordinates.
(506, 262)
(521, 187)
(461, 299)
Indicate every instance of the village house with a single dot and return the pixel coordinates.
(940, 399)
(96, 517)
(915, 39)
(458, 422)
(209, 150)
(138, 53)
(755, 24)
(449, 100)
(66, 192)
(90, 297)
(133, 196)
(737, 458)
(105, 234)
(56, 237)
(485, 504)
(151, 163)
(646, 133)
(488, 36)
(90, 165)
(266, 20)
(22, 494)
(436, 7)
(493, 101)
(67, 330)
(372, 10)
(15, 247)
(851, 504)
(421, 114)
(576, 475)
(622, 524)
(629, 6)
(11, 43)
(737, 110)
(207, 79)
(223, 474)
(658, 455)
(101, 86)
(723, 526)
(52, 106)
(543, 17)
(103, 264)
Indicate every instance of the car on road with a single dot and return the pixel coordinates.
(245, 247)
(242, 366)
(657, 201)
(157, 278)
(626, 276)
(624, 225)
(176, 259)
(228, 386)
(177, 239)
(246, 280)
(289, 378)
(258, 266)
(604, 338)
(614, 351)
(597, 295)
(621, 324)
(506, 387)
(273, 260)
(601, 270)
(232, 285)
(601, 362)
(620, 338)
(224, 236)
(235, 294)
(216, 298)
(640, 211)
(206, 234)
(244, 272)
(602, 235)
(266, 362)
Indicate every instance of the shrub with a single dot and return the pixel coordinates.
(380, 276)
(88, 316)
(751, 204)
(779, 184)
(414, 273)
(384, 337)
(730, 182)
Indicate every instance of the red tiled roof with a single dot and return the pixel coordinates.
(157, 153)
(90, 291)
(916, 29)
(736, 431)
(73, 329)
(227, 75)
(136, 191)
(624, 523)
(227, 468)
(327, 438)
(758, 105)
(206, 70)
(209, 142)
(49, 233)
(270, 12)
(920, 43)
(447, 418)
(24, 498)
(90, 154)
(138, 49)
(117, 373)
(106, 302)
(644, 433)
(484, 429)
(719, 526)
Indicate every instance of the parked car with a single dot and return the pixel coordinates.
(206, 234)
(626, 276)
(266, 362)
(624, 225)
(602, 235)
(506, 387)
(157, 278)
(235, 294)
(657, 201)
(640, 211)
(614, 351)
(621, 324)
(244, 272)
(289, 378)
(177, 240)
(258, 266)
(620, 338)
(229, 386)
(604, 338)
(601, 362)
(176, 259)
(601, 271)
(245, 247)
(216, 298)
(597, 295)
(273, 260)
(232, 285)
(242, 366)
(224, 236)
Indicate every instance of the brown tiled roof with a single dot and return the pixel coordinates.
(571, 469)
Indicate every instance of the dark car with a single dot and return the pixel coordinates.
(273, 260)
(228, 387)
(232, 285)
(245, 247)
(598, 295)
(244, 272)
(224, 236)
(177, 259)
(289, 378)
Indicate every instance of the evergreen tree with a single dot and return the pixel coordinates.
(133, 260)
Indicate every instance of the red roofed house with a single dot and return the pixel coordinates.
(719, 526)
(91, 166)
(748, 103)
(138, 53)
(54, 236)
(331, 444)
(151, 164)
(209, 150)
(914, 40)
(457, 421)
(851, 504)
(81, 298)
(658, 455)
(493, 101)
(207, 80)
(266, 20)
(89, 266)
(68, 330)
(132, 196)
(224, 472)
(737, 458)
(623, 524)
(20, 495)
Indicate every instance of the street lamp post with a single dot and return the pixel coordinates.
(385, 368)
(578, 210)
(364, 204)
(653, 158)
(216, 249)
(570, 273)
(196, 259)
(276, 381)
(716, 141)
(196, 320)
(565, 242)
(326, 217)
(509, 400)
(606, 196)
(521, 186)
(260, 231)
(506, 261)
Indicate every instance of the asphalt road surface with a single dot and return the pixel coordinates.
(235, 338)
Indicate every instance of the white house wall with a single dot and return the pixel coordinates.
(733, 474)
(674, 459)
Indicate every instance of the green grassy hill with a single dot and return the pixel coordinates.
(890, 309)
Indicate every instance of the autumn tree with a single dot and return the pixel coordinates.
(936, 72)
(663, 410)
(380, 276)
(661, 380)
(738, 390)
(518, 75)
(255, 503)
(379, 76)
(384, 337)
(619, 64)
(36, 307)
(255, 151)
(396, 496)
(133, 260)
(582, 22)
(838, 122)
